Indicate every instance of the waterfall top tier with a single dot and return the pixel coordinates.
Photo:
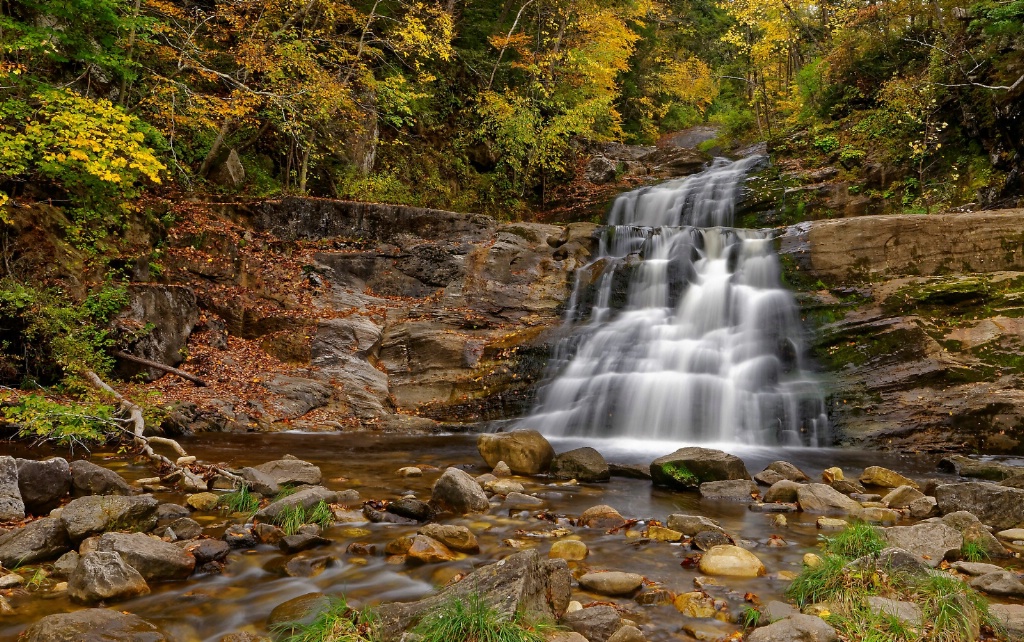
(681, 330)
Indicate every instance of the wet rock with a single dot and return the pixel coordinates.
(931, 542)
(10, 580)
(655, 597)
(761, 507)
(878, 476)
(779, 470)
(457, 538)
(662, 534)
(456, 492)
(776, 610)
(690, 467)
(731, 561)
(796, 628)
(596, 624)
(184, 528)
(880, 516)
(566, 636)
(87, 516)
(89, 479)
(892, 558)
(501, 469)
(519, 501)
(627, 633)
(995, 505)
(526, 452)
(1010, 617)
(584, 464)
(570, 550)
(291, 471)
(12, 508)
(611, 582)
(968, 467)
(902, 497)
(819, 498)
(208, 550)
(259, 481)
(848, 487)
(707, 540)
(166, 514)
(831, 524)
(735, 490)
(299, 542)
(1001, 583)
(307, 498)
(695, 604)
(601, 516)
(412, 508)
(693, 524)
(104, 576)
(153, 558)
(906, 612)
(503, 486)
(409, 471)
(203, 501)
(92, 625)
(66, 564)
(240, 536)
(630, 471)
(43, 484)
(300, 610)
(38, 541)
(538, 588)
(923, 507)
(975, 569)
(974, 531)
(428, 550)
(309, 564)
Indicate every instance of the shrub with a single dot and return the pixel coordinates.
(826, 144)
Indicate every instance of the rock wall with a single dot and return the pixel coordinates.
(920, 326)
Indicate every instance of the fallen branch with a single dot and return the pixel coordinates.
(156, 365)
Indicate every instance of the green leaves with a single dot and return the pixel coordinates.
(70, 424)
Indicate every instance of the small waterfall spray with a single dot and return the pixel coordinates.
(690, 335)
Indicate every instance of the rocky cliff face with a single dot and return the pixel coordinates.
(920, 325)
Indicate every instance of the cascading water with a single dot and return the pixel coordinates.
(690, 334)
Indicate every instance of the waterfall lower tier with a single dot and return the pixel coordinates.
(683, 333)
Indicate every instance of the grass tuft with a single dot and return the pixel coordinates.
(291, 519)
(337, 623)
(856, 540)
(240, 501)
(473, 620)
(973, 551)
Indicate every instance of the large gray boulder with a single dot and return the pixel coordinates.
(822, 499)
(733, 490)
(97, 514)
(40, 541)
(307, 498)
(692, 466)
(103, 576)
(152, 557)
(523, 582)
(596, 624)
(12, 508)
(92, 625)
(170, 312)
(291, 471)
(457, 492)
(932, 542)
(583, 464)
(89, 479)
(1010, 617)
(43, 484)
(995, 505)
(796, 628)
(526, 452)
(779, 470)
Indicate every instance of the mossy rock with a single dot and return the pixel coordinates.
(690, 467)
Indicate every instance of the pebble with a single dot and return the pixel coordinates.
(570, 550)
(410, 471)
(733, 561)
(612, 582)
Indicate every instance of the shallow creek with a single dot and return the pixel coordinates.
(207, 607)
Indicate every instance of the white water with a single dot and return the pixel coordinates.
(706, 346)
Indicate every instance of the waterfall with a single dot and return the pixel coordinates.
(681, 329)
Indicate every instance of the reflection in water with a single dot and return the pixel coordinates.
(706, 343)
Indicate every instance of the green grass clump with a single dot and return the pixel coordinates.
(240, 501)
(471, 619)
(681, 474)
(285, 491)
(973, 551)
(338, 623)
(857, 540)
(291, 519)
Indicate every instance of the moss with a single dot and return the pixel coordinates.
(681, 474)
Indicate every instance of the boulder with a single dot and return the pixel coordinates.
(979, 469)
(975, 569)
(519, 501)
(153, 558)
(523, 582)
(819, 498)
(66, 564)
(929, 541)
(906, 612)
(570, 550)
(796, 628)
(208, 550)
(974, 531)
(104, 576)
(291, 471)
(691, 525)
(1011, 619)
(412, 509)
(96, 514)
(734, 490)
(12, 508)
(601, 516)
(457, 538)
(307, 498)
(584, 464)
(732, 561)
(526, 452)
(170, 313)
(611, 582)
(627, 633)
(298, 610)
(600, 170)
(259, 481)
(880, 516)
(692, 466)
(878, 476)
(995, 505)
(92, 625)
(456, 492)
(902, 497)
(43, 484)
(240, 536)
(782, 491)
(1001, 583)
(504, 486)
(39, 541)
(924, 507)
(428, 550)
(203, 501)
(596, 624)
(89, 479)
(779, 470)
(695, 604)
(183, 528)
